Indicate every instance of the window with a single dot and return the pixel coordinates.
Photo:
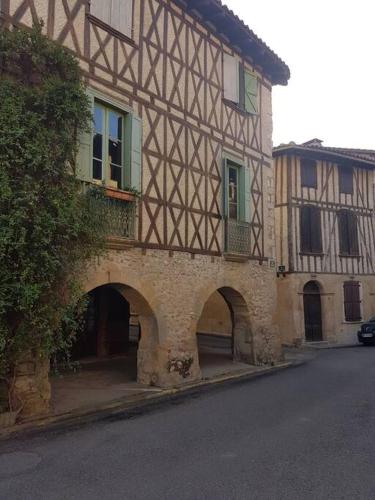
(240, 86)
(108, 146)
(237, 191)
(346, 180)
(233, 191)
(111, 153)
(352, 301)
(311, 233)
(115, 13)
(308, 173)
(348, 233)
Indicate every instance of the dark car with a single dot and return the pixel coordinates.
(366, 335)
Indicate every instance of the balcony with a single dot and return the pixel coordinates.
(117, 212)
(237, 240)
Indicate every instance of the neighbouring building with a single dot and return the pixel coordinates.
(181, 98)
(325, 244)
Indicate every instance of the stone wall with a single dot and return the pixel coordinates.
(290, 311)
(175, 288)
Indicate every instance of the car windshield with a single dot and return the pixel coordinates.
(372, 320)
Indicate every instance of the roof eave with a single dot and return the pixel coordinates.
(318, 153)
(230, 28)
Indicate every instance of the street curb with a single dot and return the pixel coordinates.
(130, 407)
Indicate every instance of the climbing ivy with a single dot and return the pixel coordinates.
(48, 233)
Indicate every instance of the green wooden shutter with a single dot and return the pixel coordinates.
(136, 153)
(251, 93)
(84, 156)
(224, 184)
(245, 194)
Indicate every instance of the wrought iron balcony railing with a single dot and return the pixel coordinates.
(116, 210)
(237, 237)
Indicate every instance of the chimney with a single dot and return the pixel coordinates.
(314, 143)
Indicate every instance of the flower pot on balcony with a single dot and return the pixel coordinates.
(119, 195)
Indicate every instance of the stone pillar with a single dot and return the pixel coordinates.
(32, 389)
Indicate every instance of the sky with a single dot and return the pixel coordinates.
(329, 46)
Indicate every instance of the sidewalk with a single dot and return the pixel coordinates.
(137, 399)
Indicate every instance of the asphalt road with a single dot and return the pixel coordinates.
(305, 433)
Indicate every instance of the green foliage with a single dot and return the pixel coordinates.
(47, 231)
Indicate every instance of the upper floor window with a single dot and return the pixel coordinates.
(311, 232)
(308, 173)
(346, 180)
(116, 13)
(352, 301)
(237, 191)
(348, 233)
(111, 152)
(108, 146)
(240, 86)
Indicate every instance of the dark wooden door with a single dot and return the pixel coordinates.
(313, 312)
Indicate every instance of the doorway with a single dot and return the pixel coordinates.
(312, 305)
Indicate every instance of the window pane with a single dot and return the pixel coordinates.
(233, 193)
(116, 174)
(97, 170)
(98, 119)
(115, 126)
(98, 146)
(115, 152)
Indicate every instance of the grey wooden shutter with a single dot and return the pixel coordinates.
(231, 78)
(353, 234)
(101, 9)
(315, 230)
(308, 173)
(305, 225)
(346, 180)
(343, 232)
(121, 17)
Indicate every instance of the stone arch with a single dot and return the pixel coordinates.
(147, 362)
(242, 335)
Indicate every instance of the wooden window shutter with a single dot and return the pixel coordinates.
(231, 78)
(251, 93)
(245, 194)
(122, 16)
(353, 234)
(343, 232)
(352, 301)
(84, 155)
(305, 224)
(315, 230)
(308, 173)
(346, 180)
(101, 9)
(225, 188)
(136, 153)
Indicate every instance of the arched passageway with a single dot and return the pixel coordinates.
(312, 306)
(119, 326)
(224, 331)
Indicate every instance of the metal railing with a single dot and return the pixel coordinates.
(237, 237)
(118, 216)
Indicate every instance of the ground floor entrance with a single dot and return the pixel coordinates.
(313, 312)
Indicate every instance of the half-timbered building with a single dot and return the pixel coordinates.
(325, 242)
(181, 100)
